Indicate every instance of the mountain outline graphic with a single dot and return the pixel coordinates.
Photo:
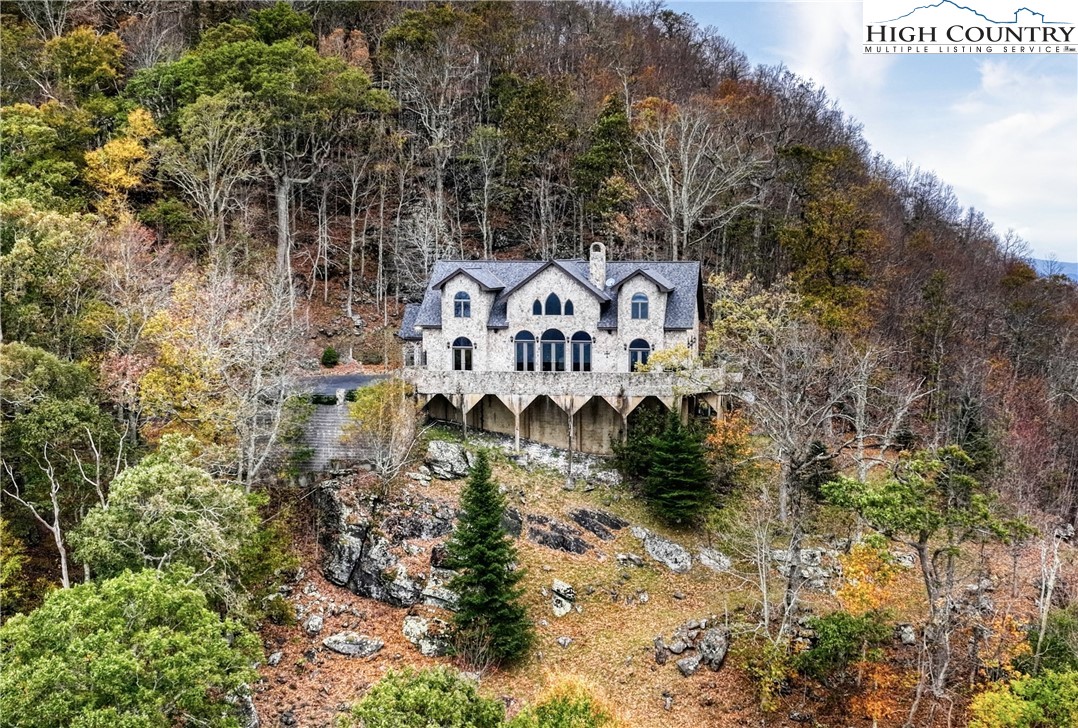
(979, 14)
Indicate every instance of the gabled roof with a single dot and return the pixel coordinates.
(657, 278)
(583, 278)
(679, 280)
(484, 277)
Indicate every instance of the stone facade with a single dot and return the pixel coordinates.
(491, 347)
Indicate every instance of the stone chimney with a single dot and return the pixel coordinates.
(597, 265)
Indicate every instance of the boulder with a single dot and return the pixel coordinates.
(713, 647)
(565, 642)
(689, 665)
(447, 460)
(671, 555)
(353, 644)
(560, 606)
(714, 560)
(313, 625)
(275, 659)
(629, 559)
(563, 590)
(906, 634)
(431, 636)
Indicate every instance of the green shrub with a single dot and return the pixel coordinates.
(142, 649)
(437, 697)
(841, 639)
(330, 358)
(1047, 701)
(568, 704)
(1059, 647)
(769, 666)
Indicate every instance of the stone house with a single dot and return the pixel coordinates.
(550, 350)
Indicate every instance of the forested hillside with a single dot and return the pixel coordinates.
(198, 198)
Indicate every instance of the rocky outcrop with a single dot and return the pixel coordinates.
(353, 644)
(448, 460)
(377, 552)
(817, 566)
(554, 534)
(697, 643)
(598, 522)
(714, 560)
(671, 555)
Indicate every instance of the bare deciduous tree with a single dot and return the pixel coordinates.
(690, 166)
(212, 157)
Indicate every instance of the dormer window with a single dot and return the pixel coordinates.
(462, 305)
(553, 305)
(640, 306)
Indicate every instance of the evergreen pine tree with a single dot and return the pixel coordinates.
(678, 482)
(489, 610)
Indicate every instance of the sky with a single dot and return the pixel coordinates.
(1002, 130)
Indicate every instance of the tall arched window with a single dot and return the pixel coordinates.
(639, 351)
(568, 307)
(553, 346)
(462, 354)
(553, 305)
(581, 345)
(525, 346)
(462, 305)
(537, 308)
(640, 306)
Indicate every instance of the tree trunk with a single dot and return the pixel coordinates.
(282, 194)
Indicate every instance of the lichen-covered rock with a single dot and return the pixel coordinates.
(313, 625)
(689, 665)
(671, 555)
(447, 460)
(431, 636)
(713, 647)
(353, 644)
(714, 560)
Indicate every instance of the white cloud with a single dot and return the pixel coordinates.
(1006, 138)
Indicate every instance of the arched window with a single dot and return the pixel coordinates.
(462, 305)
(639, 351)
(537, 308)
(581, 345)
(568, 307)
(462, 354)
(553, 305)
(525, 346)
(553, 345)
(640, 306)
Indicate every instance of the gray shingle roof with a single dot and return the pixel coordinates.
(482, 275)
(408, 330)
(681, 279)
